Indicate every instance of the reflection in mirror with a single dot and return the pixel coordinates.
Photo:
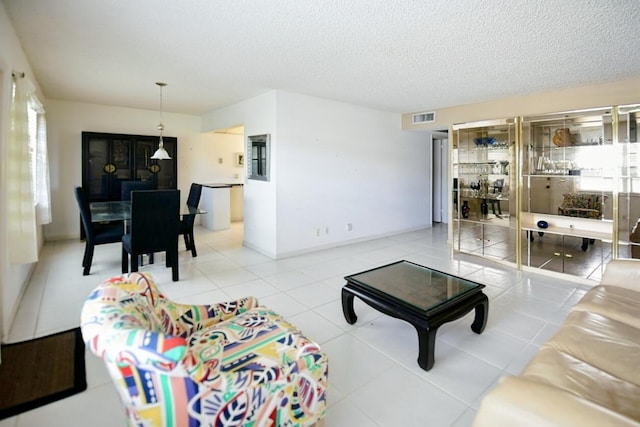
(629, 182)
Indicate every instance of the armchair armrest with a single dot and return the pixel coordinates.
(143, 348)
(278, 352)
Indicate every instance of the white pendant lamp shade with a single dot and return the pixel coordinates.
(161, 153)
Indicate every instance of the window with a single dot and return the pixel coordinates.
(259, 151)
(27, 172)
(32, 123)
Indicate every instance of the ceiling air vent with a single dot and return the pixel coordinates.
(424, 118)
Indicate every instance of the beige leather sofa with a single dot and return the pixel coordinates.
(588, 374)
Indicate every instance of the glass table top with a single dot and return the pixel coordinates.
(414, 285)
(119, 210)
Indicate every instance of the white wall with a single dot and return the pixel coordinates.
(331, 164)
(197, 152)
(258, 115)
(204, 155)
(13, 277)
(341, 164)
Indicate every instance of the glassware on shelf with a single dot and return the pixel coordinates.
(485, 141)
(475, 187)
(504, 167)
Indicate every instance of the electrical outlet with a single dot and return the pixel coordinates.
(349, 227)
(317, 232)
(326, 230)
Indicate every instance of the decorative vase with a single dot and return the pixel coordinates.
(465, 209)
(564, 137)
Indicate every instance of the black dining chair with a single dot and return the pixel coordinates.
(95, 233)
(155, 215)
(128, 186)
(186, 223)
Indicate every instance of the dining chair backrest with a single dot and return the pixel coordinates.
(85, 213)
(94, 233)
(194, 195)
(154, 220)
(187, 221)
(128, 186)
(193, 200)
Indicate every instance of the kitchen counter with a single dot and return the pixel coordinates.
(223, 202)
(223, 184)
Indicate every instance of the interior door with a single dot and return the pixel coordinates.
(440, 181)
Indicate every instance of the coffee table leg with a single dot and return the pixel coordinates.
(482, 313)
(347, 307)
(426, 347)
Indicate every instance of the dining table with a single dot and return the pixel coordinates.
(119, 210)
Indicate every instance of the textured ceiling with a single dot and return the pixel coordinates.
(400, 55)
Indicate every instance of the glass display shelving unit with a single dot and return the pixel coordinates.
(558, 193)
(567, 175)
(483, 170)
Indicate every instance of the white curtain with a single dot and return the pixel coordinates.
(21, 218)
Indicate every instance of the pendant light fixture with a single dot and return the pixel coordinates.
(161, 153)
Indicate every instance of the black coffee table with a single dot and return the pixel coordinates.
(424, 297)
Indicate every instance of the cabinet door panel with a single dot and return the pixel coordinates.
(144, 150)
(166, 177)
(108, 159)
(96, 178)
(105, 164)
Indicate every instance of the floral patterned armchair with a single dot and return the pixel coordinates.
(227, 364)
(582, 205)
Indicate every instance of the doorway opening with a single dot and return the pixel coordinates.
(440, 200)
(224, 164)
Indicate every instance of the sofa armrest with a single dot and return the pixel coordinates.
(524, 403)
(624, 273)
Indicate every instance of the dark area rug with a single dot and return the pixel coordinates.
(40, 371)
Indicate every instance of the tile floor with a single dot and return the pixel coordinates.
(374, 376)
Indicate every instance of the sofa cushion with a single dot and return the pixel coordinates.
(604, 343)
(613, 302)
